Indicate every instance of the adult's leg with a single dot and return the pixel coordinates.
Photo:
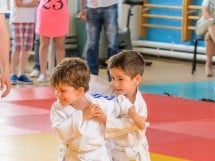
(93, 28)
(110, 19)
(210, 50)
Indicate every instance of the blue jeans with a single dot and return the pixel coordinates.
(98, 17)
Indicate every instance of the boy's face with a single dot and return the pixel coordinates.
(122, 83)
(66, 94)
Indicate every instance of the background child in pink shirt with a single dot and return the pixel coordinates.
(52, 22)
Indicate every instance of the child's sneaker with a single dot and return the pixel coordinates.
(23, 79)
(35, 73)
(13, 79)
(42, 79)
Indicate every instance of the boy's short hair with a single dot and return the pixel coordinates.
(71, 71)
(131, 62)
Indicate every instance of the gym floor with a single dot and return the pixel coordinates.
(181, 127)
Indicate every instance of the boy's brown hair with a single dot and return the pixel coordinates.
(72, 71)
(131, 62)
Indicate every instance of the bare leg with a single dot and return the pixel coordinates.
(14, 61)
(23, 59)
(210, 50)
(43, 54)
(60, 49)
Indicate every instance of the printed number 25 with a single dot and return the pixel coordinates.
(57, 6)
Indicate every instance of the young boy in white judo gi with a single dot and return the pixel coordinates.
(126, 70)
(74, 116)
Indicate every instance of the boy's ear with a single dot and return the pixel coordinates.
(138, 78)
(81, 90)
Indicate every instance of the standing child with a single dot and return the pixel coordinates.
(22, 28)
(126, 70)
(52, 22)
(72, 114)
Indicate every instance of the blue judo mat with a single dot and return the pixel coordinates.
(192, 90)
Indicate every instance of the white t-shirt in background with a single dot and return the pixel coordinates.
(3, 6)
(22, 14)
(100, 3)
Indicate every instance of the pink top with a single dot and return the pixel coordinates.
(52, 18)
